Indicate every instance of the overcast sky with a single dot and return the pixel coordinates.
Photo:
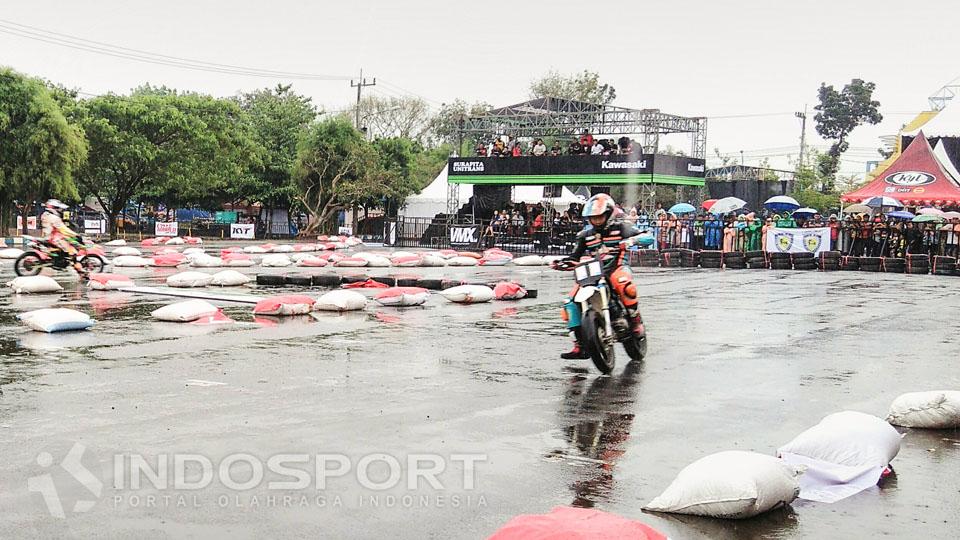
(698, 58)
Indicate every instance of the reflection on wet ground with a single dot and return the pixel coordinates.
(737, 360)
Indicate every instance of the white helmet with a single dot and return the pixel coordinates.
(55, 206)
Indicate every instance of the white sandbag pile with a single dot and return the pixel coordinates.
(34, 284)
(405, 261)
(130, 261)
(351, 262)
(402, 296)
(311, 261)
(529, 260)
(468, 294)
(189, 252)
(10, 253)
(56, 320)
(282, 248)
(844, 454)
(342, 300)
(732, 484)
(254, 249)
(187, 311)
(278, 259)
(374, 260)
(189, 279)
(108, 282)
(237, 263)
(205, 261)
(461, 261)
(175, 241)
(120, 251)
(117, 242)
(229, 278)
(432, 259)
(935, 409)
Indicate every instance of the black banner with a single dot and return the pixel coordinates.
(551, 169)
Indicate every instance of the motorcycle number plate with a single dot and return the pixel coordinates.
(590, 270)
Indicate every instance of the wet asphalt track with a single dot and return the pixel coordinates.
(737, 360)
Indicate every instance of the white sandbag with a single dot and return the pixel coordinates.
(845, 453)
(353, 241)
(189, 279)
(229, 278)
(130, 261)
(351, 262)
(193, 251)
(278, 259)
(108, 282)
(340, 301)
(125, 250)
(402, 296)
(398, 254)
(34, 284)
(117, 242)
(377, 261)
(430, 259)
(175, 241)
(56, 320)
(206, 261)
(461, 261)
(282, 248)
(529, 260)
(733, 484)
(284, 305)
(501, 261)
(935, 409)
(297, 257)
(254, 249)
(468, 294)
(187, 311)
(312, 261)
(237, 263)
(10, 253)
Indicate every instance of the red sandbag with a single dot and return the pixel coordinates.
(234, 249)
(312, 261)
(470, 254)
(304, 247)
(192, 240)
(567, 523)
(323, 238)
(368, 284)
(96, 250)
(506, 290)
(151, 242)
(168, 261)
(497, 253)
(290, 304)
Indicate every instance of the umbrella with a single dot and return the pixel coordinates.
(781, 203)
(727, 205)
(902, 214)
(951, 215)
(707, 204)
(805, 212)
(682, 208)
(925, 218)
(571, 523)
(930, 211)
(878, 202)
(857, 209)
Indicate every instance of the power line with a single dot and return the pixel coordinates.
(96, 47)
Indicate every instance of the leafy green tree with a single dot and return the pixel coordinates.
(446, 124)
(278, 117)
(407, 117)
(161, 144)
(838, 114)
(814, 189)
(39, 149)
(584, 86)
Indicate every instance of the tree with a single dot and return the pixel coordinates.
(278, 117)
(446, 124)
(584, 86)
(162, 144)
(812, 188)
(838, 113)
(39, 149)
(335, 168)
(407, 117)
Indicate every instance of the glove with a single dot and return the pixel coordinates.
(562, 264)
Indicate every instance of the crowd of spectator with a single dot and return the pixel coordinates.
(586, 144)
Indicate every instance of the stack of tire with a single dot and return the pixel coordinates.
(734, 260)
(918, 263)
(944, 266)
(670, 258)
(780, 261)
(689, 258)
(755, 259)
(649, 258)
(829, 261)
(892, 265)
(850, 262)
(711, 259)
(870, 264)
(804, 261)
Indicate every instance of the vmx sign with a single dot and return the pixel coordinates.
(464, 236)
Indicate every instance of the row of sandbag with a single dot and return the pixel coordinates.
(842, 455)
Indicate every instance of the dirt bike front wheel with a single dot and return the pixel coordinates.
(596, 342)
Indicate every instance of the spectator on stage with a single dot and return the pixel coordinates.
(586, 139)
(511, 144)
(517, 150)
(625, 145)
(539, 149)
(556, 150)
(499, 148)
(596, 149)
(660, 212)
(575, 148)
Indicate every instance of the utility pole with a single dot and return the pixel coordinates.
(360, 84)
(803, 134)
(741, 158)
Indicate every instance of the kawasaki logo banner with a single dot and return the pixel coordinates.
(465, 236)
(586, 169)
(813, 240)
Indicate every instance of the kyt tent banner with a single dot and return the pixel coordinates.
(813, 240)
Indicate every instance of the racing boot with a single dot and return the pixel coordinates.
(576, 353)
(636, 323)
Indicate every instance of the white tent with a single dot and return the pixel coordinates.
(945, 124)
(432, 200)
(534, 194)
(940, 152)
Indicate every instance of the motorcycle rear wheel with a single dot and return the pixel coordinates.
(636, 347)
(28, 264)
(593, 337)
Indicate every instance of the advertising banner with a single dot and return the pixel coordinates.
(242, 231)
(166, 229)
(468, 235)
(94, 226)
(798, 240)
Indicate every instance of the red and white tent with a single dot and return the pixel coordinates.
(916, 178)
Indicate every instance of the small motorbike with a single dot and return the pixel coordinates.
(41, 254)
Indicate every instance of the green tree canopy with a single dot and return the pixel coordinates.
(839, 113)
(39, 149)
(406, 117)
(584, 86)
